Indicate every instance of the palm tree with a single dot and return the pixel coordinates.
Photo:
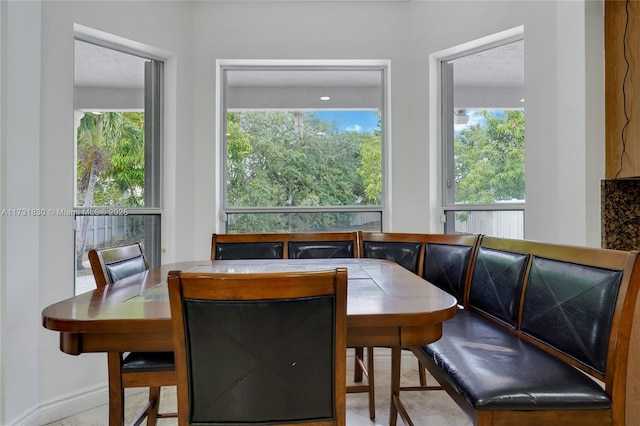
(99, 136)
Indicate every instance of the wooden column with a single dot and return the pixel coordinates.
(622, 159)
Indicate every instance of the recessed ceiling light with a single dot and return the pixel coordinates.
(522, 100)
(325, 98)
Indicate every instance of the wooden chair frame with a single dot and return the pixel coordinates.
(361, 369)
(119, 380)
(260, 287)
(99, 259)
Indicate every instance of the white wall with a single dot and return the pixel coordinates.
(564, 157)
(20, 158)
(37, 151)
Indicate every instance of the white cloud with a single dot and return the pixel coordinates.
(354, 128)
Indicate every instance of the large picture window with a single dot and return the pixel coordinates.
(117, 102)
(303, 148)
(483, 140)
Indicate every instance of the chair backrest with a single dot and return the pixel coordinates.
(404, 249)
(447, 261)
(112, 264)
(247, 246)
(260, 348)
(322, 245)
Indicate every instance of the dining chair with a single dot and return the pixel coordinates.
(328, 245)
(247, 246)
(260, 348)
(133, 369)
(402, 248)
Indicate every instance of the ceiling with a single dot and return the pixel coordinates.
(99, 67)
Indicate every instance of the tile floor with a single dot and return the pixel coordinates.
(433, 408)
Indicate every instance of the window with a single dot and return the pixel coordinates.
(117, 102)
(483, 139)
(302, 148)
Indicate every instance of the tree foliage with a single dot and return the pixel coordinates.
(489, 160)
(111, 151)
(110, 165)
(294, 159)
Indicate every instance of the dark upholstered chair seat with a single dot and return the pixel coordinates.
(495, 370)
(148, 361)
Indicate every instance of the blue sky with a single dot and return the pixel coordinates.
(349, 120)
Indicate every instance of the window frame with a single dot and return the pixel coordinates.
(153, 130)
(449, 205)
(222, 66)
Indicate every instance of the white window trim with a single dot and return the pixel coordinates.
(437, 185)
(223, 64)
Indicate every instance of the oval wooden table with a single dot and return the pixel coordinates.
(387, 306)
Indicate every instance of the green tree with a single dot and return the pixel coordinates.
(369, 170)
(110, 164)
(489, 160)
(123, 181)
(289, 159)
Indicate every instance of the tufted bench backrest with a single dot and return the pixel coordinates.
(496, 283)
(570, 307)
(447, 260)
(563, 299)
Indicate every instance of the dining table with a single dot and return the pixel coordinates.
(387, 306)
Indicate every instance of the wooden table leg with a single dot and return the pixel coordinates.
(396, 405)
(395, 384)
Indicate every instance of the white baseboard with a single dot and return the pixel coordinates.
(66, 405)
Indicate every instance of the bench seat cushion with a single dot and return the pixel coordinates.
(495, 370)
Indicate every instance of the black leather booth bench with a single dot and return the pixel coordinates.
(546, 334)
(543, 336)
